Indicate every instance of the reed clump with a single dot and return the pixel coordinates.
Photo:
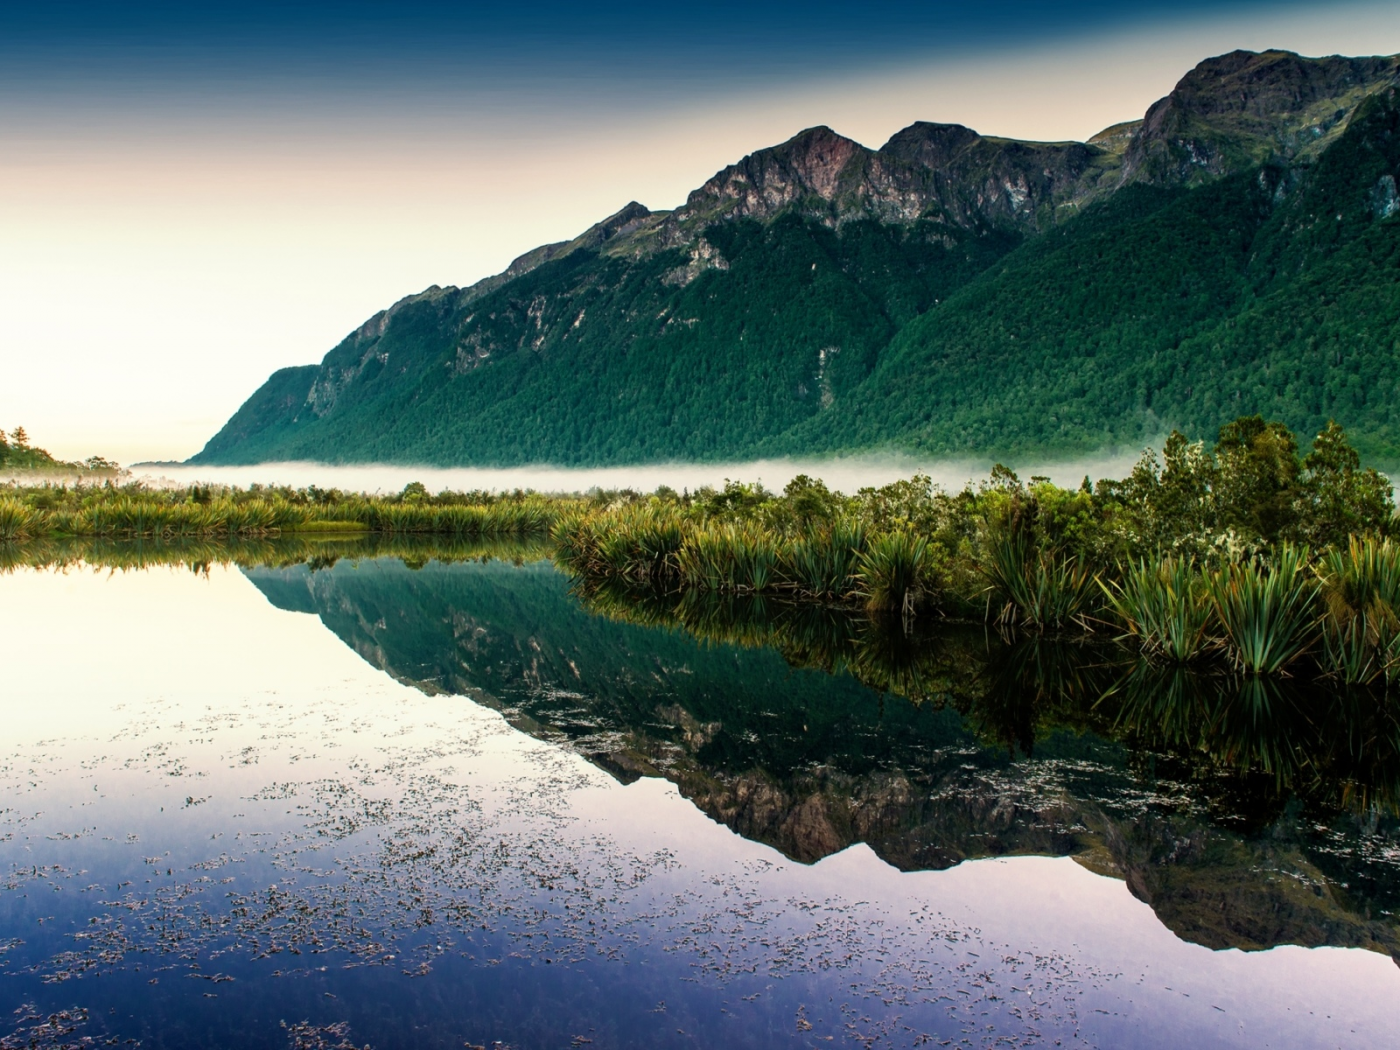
(1038, 590)
(1267, 611)
(1360, 595)
(1165, 607)
(17, 521)
(896, 572)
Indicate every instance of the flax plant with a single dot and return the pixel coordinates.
(1361, 597)
(1267, 612)
(1032, 590)
(1165, 607)
(894, 572)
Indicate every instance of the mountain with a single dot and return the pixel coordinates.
(1236, 250)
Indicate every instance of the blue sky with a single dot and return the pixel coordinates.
(193, 195)
(536, 46)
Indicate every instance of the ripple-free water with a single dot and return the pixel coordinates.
(369, 806)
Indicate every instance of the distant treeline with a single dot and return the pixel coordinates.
(17, 454)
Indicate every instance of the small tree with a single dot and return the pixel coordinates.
(19, 439)
(1257, 483)
(1338, 499)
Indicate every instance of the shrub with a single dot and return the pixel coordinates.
(1165, 607)
(894, 570)
(1269, 613)
(1036, 590)
(17, 522)
(1361, 595)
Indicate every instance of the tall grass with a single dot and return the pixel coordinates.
(17, 521)
(825, 562)
(459, 519)
(1165, 607)
(1267, 612)
(729, 557)
(136, 517)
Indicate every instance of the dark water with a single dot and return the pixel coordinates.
(399, 802)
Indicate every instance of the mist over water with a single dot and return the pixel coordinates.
(844, 474)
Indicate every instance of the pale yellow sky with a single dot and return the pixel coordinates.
(154, 270)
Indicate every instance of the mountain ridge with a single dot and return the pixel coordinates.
(776, 309)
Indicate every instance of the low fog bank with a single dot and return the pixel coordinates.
(845, 474)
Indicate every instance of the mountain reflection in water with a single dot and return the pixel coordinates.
(564, 824)
(1248, 813)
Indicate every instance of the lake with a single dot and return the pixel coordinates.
(346, 795)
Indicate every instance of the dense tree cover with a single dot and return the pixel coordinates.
(1274, 291)
(595, 358)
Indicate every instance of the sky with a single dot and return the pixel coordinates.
(194, 195)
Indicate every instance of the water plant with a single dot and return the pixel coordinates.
(894, 571)
(1037, 590)
(1268, 612)
(1360, 588)
(824, 563)
(17, 521)
(1164, 606)
(735, 556)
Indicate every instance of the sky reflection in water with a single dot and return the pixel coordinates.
(221, 826)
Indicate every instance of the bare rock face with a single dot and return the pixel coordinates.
(1229, 113)
(944, 173)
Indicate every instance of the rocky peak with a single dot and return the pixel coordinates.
(1246, 108)
(930, 145)
(1230, 112)
(808, 165)
(943, 173)
(630, 218)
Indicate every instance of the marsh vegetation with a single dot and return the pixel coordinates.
(1247, 557)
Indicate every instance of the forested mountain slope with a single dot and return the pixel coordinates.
(1236, 251)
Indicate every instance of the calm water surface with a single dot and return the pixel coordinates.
(405, 803)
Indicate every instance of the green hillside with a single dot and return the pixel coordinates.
(1268, 291)
(1235, 252)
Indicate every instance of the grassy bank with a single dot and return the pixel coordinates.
(138, 512)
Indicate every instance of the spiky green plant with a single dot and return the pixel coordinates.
(17, 521)
(728, 557)
(1165, 607)
(1360, 589)
(894, 571)
(824, 563)
(1267, 611)
(1033, 590)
